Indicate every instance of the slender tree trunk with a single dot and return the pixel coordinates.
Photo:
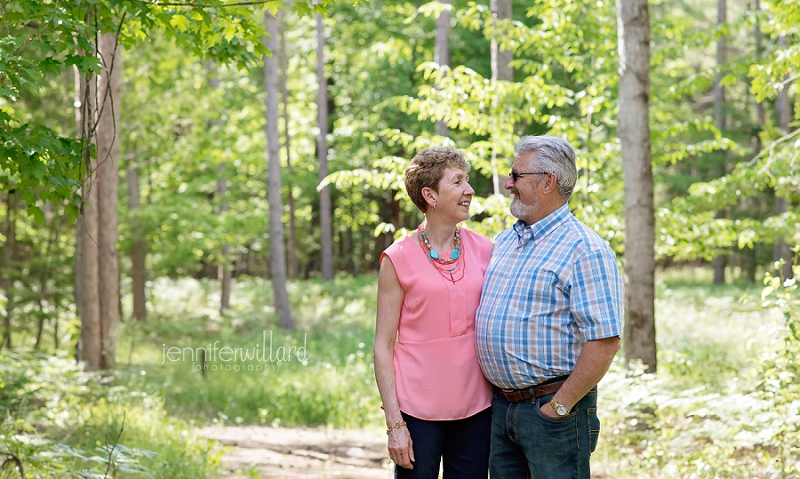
(720, 262)
(781, 250)
(78, 100)
(277, 252)
(224, 267)
(107, 197)
(634, 133)
(294, 271)
(370, 243)
(139, 250)
(220, 190)
(719, 89)
(501, 70)
(442, 53)
(326, 227)
(501, 59)
(6, 272)
(751, 257)
(40, 321)
(86, 265)
(784, 104)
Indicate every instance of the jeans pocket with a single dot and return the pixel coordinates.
(538, 403)
(594, 428)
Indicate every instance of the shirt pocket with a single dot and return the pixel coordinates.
(536, 296)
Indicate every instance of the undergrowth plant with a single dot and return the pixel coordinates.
(686, 422)
(780, 450)
(58, 421)
(318, 375)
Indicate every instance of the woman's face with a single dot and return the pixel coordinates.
(454, 195)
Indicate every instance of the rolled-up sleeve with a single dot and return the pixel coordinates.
(596, 295)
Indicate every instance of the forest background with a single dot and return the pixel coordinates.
(174, 176)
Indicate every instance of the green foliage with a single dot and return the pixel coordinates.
(330, 383)
(59, 421)
(47, 38)
(41, 279)
(781, 372)
(688, 228)
(723, 403)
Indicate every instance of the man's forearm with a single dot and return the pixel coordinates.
(595, 359)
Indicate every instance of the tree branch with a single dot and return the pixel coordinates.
(773, 145)
(789, 80)
(200, 5)
(114, 446)
(15, 460)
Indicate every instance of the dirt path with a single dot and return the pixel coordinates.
(301, 453)
(290, 453)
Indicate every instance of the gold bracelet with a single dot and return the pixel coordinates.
(399, 424)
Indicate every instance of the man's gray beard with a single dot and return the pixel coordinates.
(522, 211)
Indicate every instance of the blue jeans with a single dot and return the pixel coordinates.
(463, 446)
(526, 444)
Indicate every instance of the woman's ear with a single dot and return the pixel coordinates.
(430, 196)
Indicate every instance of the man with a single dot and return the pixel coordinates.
(548, 324)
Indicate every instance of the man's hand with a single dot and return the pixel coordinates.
(548, 411)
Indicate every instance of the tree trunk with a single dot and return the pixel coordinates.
(751, 258)
(224, 266)
(501, 59)
(139, 250)
(720, 261)
(277, 253)
(107, 193)
(86, 258)
(326, 228)
(783, 104)
(634, 134)
(7, 270)
(220, 190)
(501, 70)
(294, 271)
(442, 53)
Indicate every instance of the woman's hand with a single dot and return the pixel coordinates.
(401, 449)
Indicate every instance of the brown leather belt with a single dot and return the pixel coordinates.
(517, 395)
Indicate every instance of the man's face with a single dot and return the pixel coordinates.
(526, 189)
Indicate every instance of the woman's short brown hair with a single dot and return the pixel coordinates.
(427, 168)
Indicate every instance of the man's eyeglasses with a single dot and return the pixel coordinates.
(515, 176)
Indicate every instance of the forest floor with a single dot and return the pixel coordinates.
(279, 452)
(322, 453)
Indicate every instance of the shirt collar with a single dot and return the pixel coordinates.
(543, 227)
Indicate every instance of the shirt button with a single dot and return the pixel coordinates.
(519, 249)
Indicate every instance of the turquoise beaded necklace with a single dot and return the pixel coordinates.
(433, 254)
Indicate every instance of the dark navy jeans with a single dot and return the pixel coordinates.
(461, 445)
(527, 444)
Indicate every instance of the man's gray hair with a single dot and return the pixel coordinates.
(554, 155)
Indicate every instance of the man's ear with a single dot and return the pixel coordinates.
(551, 184)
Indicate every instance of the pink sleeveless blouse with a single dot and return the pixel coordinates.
(437, 375)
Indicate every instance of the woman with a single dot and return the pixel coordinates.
(434, 395)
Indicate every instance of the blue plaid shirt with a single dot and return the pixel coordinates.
(549, 288)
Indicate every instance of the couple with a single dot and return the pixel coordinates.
(537, 315)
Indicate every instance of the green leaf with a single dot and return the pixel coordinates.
(180, 22)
